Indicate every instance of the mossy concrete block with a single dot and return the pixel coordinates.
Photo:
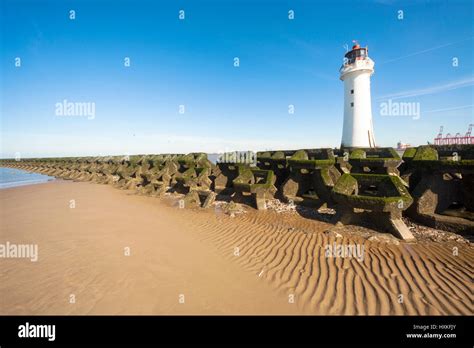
(224, 175)
(383, 160)
(312, 176)
(257, 183)
(382, 196)
(277, 161)
(441, 182)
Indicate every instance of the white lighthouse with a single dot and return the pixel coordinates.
(358, 130)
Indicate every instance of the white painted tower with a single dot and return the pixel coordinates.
(358, 130)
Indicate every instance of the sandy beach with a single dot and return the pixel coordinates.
(196, 261)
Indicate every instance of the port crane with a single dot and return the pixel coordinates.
(457, 139)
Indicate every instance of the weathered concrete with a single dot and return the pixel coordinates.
(381, 197)
(383, 160)
(312, 176)
(277, 162)
(441, 180)
(255, 183)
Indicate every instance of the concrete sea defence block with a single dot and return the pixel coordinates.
(312, 174)
(277, 161)
(382, 197)
(257, 183)
(383, 160)
(441, 181)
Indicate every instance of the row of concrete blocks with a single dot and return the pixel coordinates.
(361, 184)
(433, 185)
(441, 181)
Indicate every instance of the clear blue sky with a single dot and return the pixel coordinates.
(190, 62)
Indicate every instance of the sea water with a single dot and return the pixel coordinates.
(10, 177)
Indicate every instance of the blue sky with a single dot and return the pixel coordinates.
(190, 62)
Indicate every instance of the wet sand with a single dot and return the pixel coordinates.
(253, 263)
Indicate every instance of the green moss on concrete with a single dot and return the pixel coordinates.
(312, 158)
(345, 185)
(426, 153)
(409, 153)
(379, 157)
(357, 154)
(348, 182)
(248, 175)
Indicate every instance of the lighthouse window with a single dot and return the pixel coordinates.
(352, 91)
(352, 104)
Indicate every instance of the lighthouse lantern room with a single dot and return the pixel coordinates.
(355, 72)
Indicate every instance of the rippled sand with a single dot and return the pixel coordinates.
(253, 263)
